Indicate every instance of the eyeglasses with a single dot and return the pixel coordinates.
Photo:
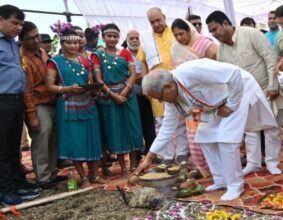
(197, 24)
(161, 95)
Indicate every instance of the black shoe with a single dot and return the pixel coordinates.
(167, 161)
(47, 186)
(182, 158)
(111, 159)
(64, 163)
(107, 164)
(26, 185)
(27, 190)
(59, 179)
(10, 199)
(26, 194)
(244, 161)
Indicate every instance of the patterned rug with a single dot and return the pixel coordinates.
(256, 186)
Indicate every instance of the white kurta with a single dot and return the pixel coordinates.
(214, 82)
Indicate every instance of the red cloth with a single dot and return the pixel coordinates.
(195, 150)
(126, 54)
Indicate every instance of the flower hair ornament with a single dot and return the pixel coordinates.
(59, 28)
(97, 28)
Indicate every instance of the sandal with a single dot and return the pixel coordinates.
(85, 183)
(107, 172)
(97, 180)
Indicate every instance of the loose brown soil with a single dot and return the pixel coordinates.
(96, 204)
(99, 204)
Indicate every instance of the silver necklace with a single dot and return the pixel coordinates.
(106, 61)
(80, 72)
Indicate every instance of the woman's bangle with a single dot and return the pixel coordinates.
(129, 85)
(60, 89)
(108, 91)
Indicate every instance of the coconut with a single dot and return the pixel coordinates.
(161, 168)
(134, 179)
(173, 170)
(189, 184)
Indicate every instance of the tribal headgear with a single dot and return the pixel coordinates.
(77, 30)
(111, 30)
(96, 29)
(59, 28)
(70, 37)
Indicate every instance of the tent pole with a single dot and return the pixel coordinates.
(230, 12)
(67, 12)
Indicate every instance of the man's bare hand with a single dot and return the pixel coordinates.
(34, 124)
(145, 164)
(272, 94)
(224, 111)
(279, 66)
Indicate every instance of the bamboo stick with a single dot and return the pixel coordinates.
(45, 200)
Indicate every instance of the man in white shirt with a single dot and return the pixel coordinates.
(231, 101)
(250, 50)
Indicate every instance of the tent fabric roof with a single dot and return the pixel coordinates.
(131, 14)
(248, 7)
(128, 14)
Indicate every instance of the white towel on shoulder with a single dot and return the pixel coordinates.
(149, 46)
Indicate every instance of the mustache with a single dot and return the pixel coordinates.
(133, 46)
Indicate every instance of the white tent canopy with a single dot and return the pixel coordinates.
(131, 14)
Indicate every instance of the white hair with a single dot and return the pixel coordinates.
(156, 80)
(133, 47)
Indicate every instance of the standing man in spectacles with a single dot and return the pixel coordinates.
(196, 21)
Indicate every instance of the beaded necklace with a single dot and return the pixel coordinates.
(80, 72)
(114, 61)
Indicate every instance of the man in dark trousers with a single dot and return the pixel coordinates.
(13, 187)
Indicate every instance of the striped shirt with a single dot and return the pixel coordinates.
(36, 91)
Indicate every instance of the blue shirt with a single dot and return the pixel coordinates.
(89, 48)
(271, 36)
(12, 76)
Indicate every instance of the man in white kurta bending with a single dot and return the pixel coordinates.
(231, 101)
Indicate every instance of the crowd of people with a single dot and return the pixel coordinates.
(88, 103)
